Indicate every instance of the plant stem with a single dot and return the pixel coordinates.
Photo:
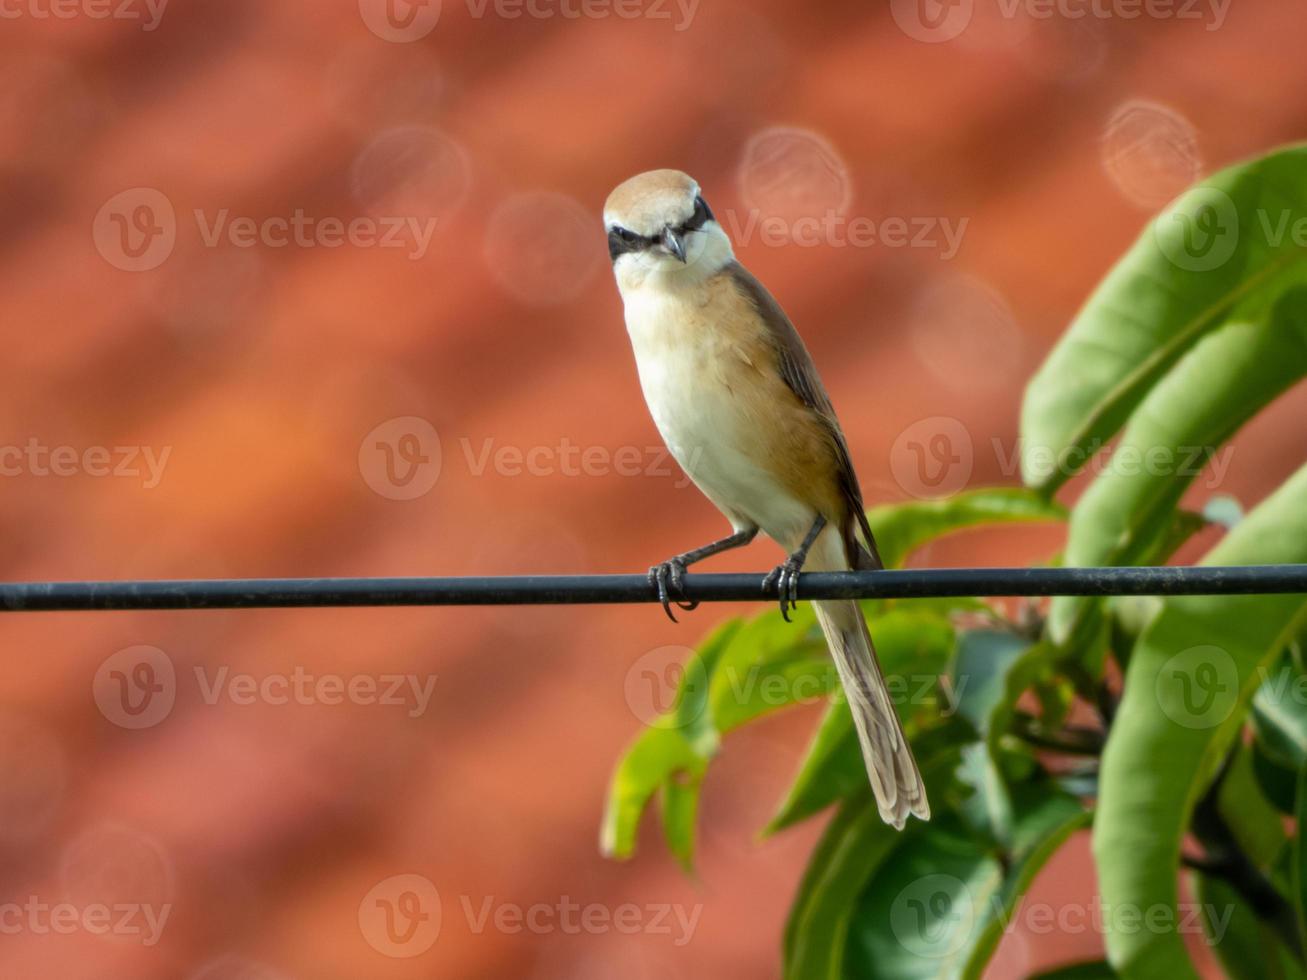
(1069, 740)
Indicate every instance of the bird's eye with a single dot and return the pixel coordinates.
(620, 241)
(702, 215)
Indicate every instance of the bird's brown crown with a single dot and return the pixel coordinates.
(649, 202)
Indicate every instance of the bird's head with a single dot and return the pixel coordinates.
(660, 226)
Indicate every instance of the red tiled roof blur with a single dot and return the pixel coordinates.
(259, 371)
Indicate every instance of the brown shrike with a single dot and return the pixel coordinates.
(737, 399)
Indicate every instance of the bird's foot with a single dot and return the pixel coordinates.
(667, 577)
(784, 581)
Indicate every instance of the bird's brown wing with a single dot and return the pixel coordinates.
(800, 375)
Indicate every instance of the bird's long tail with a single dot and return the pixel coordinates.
(893, 772)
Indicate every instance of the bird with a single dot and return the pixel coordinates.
(737, 400)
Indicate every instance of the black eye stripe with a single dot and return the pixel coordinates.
(702, 215)
(621, 241)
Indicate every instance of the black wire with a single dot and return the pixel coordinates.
(594, 589)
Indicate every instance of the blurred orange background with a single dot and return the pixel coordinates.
(299, 289)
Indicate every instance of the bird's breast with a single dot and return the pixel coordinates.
(697, 370)
(710, 382)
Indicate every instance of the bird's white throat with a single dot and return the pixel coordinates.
(708, 251)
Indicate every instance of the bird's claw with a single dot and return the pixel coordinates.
(784, 581)
(671, 572)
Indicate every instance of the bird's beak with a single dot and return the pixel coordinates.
(674, 243)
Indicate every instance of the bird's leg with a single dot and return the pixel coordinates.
(672, 571)
(784, 578)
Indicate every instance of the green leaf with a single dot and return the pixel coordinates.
(1245, 946)
(679, 799)
(854, 844)
(1279, 722)
(742, 671)
(768, 664)
(1021, 666)
(921, 914)
(1280, 715)
(988, 808)
(1187, 690)
(1278, 782)
(1256, 825)
(1230, 375)
(1240, 946)
(980, 669)
(657, 756)
(949, 895)
(1214, 246)
(901, 528)
(1047, 831)
(660, 753)
(1299, 857)
(1035, 664)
